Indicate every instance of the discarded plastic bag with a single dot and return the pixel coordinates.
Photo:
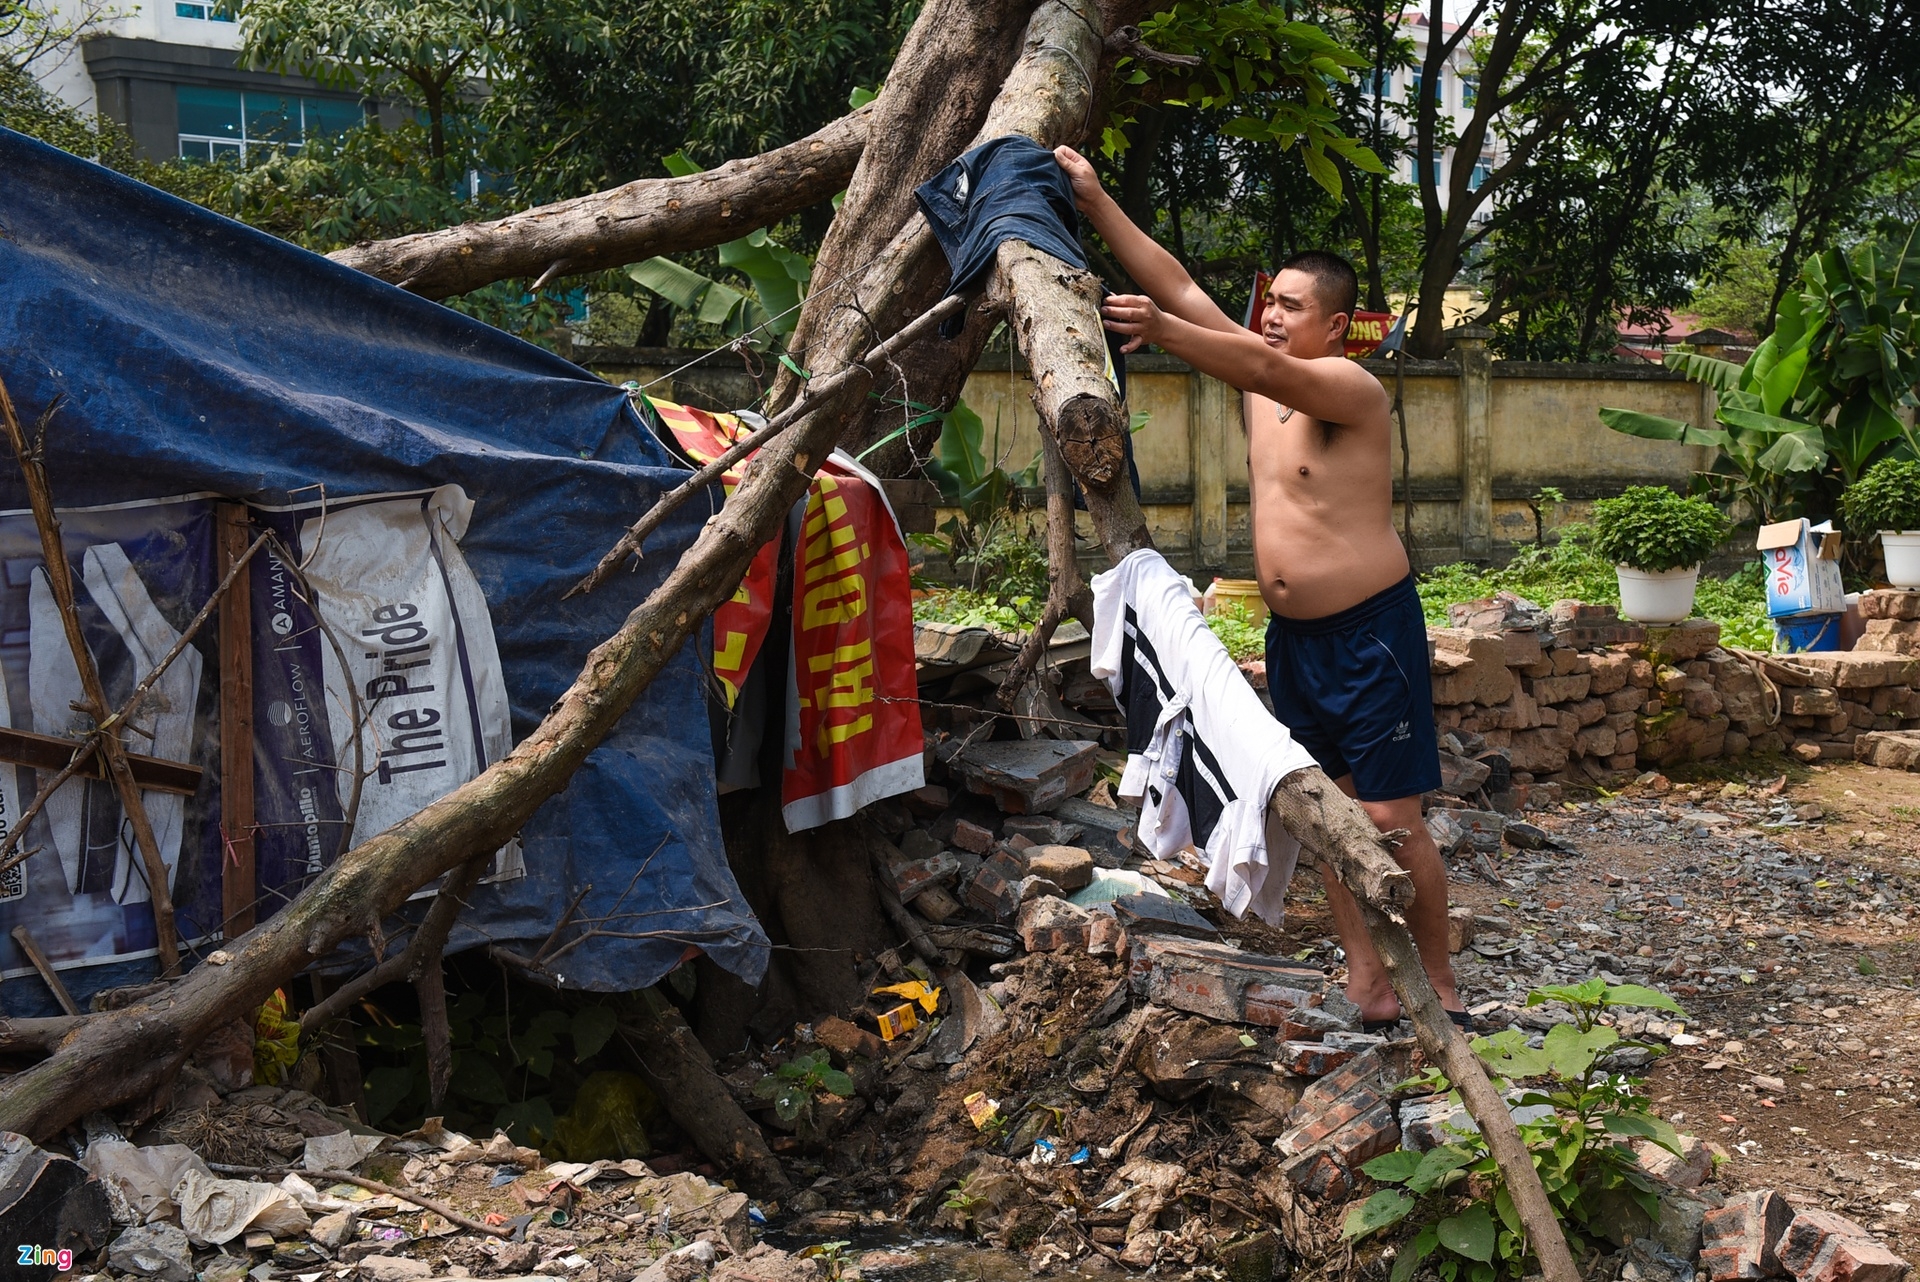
(341, 1151)
(144, 1176)
(215, 1211)
(1110, 884)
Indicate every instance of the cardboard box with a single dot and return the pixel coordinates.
(1803, 568)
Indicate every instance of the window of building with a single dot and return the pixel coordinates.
(1469, 91)
(1413, 88)
(216, 123)
(1482, 170)
(1413, 170)
(204, 12)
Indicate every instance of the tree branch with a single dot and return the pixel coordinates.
(625, 225)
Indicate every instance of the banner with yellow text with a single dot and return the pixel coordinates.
(853, 733)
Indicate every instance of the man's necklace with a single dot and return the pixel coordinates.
(1283, 412)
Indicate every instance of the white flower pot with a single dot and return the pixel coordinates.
(1662, 597)
(1903, 557)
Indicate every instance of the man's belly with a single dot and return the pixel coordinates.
(1308, 571)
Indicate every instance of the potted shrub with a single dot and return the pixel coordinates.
(1887, 500)
(1656, 540)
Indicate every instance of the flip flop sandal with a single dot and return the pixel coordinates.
(1460, 1018)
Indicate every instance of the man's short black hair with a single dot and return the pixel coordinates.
(1334, 279)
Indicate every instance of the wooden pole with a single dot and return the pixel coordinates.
(236, 728)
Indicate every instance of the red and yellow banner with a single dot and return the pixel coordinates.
(853, 731)
(739, 626)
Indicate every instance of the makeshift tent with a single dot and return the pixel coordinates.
(435, 485)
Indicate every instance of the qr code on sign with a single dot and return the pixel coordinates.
(13, 884)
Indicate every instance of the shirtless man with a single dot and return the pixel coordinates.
(1347, 665)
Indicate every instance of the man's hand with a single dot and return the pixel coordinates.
(1086, 183)
(1137, 316)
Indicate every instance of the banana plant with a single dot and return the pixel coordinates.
(1818, 402)
(779, 276)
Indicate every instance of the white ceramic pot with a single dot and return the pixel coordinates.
(1662, 597)
(1903, 557)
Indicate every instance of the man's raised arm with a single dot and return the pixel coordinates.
(1331, 390)
(1156, 271)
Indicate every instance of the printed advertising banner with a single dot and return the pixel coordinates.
(385, 629)
(140, 572)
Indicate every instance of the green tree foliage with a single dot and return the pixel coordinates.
(36, 38)
(1737, 295)
(1821, 127)
(425, 52)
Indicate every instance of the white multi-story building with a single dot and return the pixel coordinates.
(1454, 94)
(168, 71)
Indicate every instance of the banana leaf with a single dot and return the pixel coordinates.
(1721, 376)
(1653, 427)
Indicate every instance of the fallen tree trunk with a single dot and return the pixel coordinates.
(624, 225)
(949, 71)
(680, 1072)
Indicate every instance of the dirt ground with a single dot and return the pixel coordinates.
(1779, 908)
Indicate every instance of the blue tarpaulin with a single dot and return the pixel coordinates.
(191, 355)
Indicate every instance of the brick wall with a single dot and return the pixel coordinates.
(1574, 695)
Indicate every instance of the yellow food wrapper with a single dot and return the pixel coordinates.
(914, 991)
(981, 1111)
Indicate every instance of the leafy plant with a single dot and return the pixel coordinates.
(507, 1074)
(1545, 498)
(793, 1085)
(1233, 624)
(1819, 401)
(832, 1256)
(1580, 1150)
(1651, 528)
(1571, 569)
(1002, 560)
(779, 277)
(1243, 53)
(1886, 498)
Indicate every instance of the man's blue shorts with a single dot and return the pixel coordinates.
(1354, 689)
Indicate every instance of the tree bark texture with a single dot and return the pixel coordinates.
(681, 1073)
(1067, 591)
(626, 224)
(950, 67)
